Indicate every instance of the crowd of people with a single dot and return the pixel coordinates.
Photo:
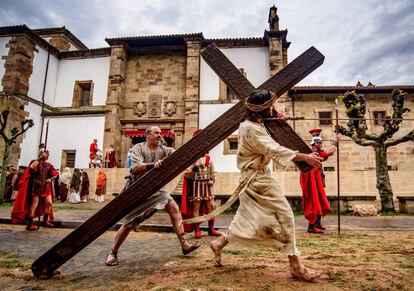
(264, 217)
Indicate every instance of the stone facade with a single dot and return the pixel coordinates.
(15, 81)
(156, 81)
(61, 43)
(192, 89)
(352, 156)
(115, 97)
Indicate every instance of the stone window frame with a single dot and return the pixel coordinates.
(66, 155)
(78, 90)
(225, 92)
(325, 123)
(378, 121)
(227, 149)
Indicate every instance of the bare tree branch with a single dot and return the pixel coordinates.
(23, 129)
(3, 121)
(407, 137)
(354, 136)
(392, 125)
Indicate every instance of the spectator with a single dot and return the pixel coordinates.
(100, 187)
(64, 184)
(84, 187)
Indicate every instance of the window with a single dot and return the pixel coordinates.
(226, 94)
(233, 144)
(85, 95)
(68, 158)
(230, 145)
(82, 94)
(325, 118)
(379, 117)
(231, 95)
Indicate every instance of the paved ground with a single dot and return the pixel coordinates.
(72, 215)
(153, 260)
(380, 260)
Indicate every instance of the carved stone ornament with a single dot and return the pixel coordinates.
(140, 108)
(170, 108)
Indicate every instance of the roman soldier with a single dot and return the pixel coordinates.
(198, 193)
(314, 201)
(35, 196)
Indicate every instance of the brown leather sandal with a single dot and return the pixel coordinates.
(192, 247)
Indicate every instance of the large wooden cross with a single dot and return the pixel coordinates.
(172, 166)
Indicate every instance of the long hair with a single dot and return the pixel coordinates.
(258, 97)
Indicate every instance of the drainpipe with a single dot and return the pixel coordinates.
(43, 97)
(293, 110)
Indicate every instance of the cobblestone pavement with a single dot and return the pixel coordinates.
(153, 261)
(140, 253)
(71, 215)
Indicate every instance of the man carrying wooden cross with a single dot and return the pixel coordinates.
(264, 217)
(145, 156)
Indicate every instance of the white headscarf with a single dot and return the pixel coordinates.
(65, 176)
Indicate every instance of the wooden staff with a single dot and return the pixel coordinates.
(337, 167)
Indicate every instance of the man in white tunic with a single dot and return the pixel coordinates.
(145, 156)
(264, 217)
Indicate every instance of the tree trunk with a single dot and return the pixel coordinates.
(383, 179)
(5, 163)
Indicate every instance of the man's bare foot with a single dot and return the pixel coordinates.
(303, 273)
(217, 246)
(112, 259)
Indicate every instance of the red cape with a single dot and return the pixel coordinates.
(23, 200)
(187, 205)
(314, 200)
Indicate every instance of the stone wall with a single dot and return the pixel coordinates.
(352, 156)
(15, 81)
(116, 181)
(160, 75)
(353, 183)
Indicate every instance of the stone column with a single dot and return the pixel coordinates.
(115, 98)
(18, 69)
(192, 89)
(277, 60)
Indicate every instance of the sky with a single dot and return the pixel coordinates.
(362, 40)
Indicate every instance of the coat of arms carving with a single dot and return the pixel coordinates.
(170, 108)
(140, 108)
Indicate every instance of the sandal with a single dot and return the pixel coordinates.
(112, 259)
(192, 247)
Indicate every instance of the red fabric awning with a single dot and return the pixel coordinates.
(141, 133)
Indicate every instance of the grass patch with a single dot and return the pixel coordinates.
(6, 205)
(11, 261)
(71, 207)
(335, 276)
(406, 266)
(233, 252)
(78, 279)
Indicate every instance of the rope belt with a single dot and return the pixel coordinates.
(236, 194)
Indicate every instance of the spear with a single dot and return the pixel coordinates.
(337, 166)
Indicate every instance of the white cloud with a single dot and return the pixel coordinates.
(370, 40)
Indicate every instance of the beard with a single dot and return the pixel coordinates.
(268, 113)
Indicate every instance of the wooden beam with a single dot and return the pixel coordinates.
(172, 166)
(279, 83)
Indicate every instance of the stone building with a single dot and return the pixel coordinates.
(75, 94)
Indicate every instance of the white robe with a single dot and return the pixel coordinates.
(264, 217)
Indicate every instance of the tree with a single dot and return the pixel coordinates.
(8, 142)
(357, 130)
